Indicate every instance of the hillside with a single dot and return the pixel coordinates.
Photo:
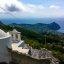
(39, 27)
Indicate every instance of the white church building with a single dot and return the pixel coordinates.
(12, 40)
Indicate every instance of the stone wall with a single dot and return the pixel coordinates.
(23, 59)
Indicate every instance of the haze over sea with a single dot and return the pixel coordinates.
(60, 21)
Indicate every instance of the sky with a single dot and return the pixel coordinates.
(31, 8)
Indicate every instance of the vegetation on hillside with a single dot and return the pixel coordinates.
(41, 27)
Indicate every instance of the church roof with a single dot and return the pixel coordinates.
(2, 34)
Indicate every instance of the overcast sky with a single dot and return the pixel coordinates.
(31, 8)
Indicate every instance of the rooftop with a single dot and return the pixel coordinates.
(21, 49)
(2, 33)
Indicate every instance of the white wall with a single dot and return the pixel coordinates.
(4, 55)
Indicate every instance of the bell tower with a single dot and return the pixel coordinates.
(16, 36)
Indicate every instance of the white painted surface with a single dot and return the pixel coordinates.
(2, 34)
(19, 37)
(5, 41)
(15, 47)
(4, 54)
(16, 36)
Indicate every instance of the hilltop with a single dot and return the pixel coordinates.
(39, 27)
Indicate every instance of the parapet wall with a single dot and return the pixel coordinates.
(24, 59)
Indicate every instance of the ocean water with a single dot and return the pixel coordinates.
(60, 21)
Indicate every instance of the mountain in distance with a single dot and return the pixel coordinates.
(39, 27)
(59, 21)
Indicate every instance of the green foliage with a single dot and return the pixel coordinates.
(59, 55)
(39, 27)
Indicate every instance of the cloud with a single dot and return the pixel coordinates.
(35, 6)
(20, 9)
(54, 7)
(13, 5)
(12, 8)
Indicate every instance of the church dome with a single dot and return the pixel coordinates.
(2, 34)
